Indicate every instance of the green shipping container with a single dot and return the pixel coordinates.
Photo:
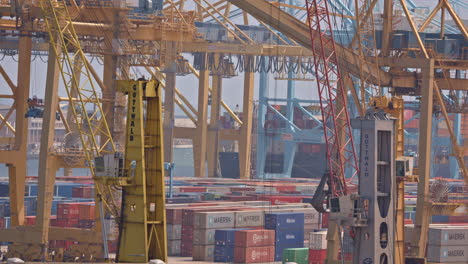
(297, 255)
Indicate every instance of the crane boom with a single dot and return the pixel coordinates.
(337, 129)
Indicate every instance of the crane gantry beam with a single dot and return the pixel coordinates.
(298, 31)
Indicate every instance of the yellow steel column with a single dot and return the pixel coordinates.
(133, 242)
(47, 161)
(169, 98)
(200, 139)
(108, 91)
(143, 229)
(213, 127)
(246, 128)
(424, 168)
(387, 27)
(17, 171)
(155, 184)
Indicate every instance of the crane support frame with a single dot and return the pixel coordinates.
(143, 217)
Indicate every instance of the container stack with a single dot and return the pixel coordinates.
(289, 231)
(317, 247)
(224, 245)
(448, 244)
(205, 225)
(254, 246)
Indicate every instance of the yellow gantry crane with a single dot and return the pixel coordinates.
(143, 218)
(140, 170)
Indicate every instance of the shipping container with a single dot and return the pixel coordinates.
(204, 236)
(254, 238)
(254, 254)
(173, 247)
(289, 221)
(203, 252)
(226, 237)
(317, 255)
(174, 232)
(223, 253)
(249, 218)
(318, 240)
(448, 236)
(447, 254)
(296, 255)
(214, 220)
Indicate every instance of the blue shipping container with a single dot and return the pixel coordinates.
(225, 237)
(224, 254)
(284, 221)
(290, 237)
(440, 219)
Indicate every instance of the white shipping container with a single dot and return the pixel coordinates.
(447, 253)
(204, 236)
(203, 252)
(214, 220)
(173, 247)
(318, 240)
(448, 236)
(249, 218)
(174, 232)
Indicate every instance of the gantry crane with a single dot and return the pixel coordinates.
(140, 173)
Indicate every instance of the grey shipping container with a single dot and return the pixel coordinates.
(174, 232)
(203, 252)
(214, 220)
(204, 236)
(447, 253)
(448, 236)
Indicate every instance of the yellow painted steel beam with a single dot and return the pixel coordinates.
(431, 16)
(5, 119)
(200, 142)
(143, 230)
(223, 104)
(7, 80)
(463, 28)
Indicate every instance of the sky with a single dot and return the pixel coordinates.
(231, 92)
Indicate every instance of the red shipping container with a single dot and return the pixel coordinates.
(285, 188)
(317, 255)
(192, 189)
(174, 216)
(187, 232)
(30, 220)
(458, 219)
(86, 211)
(281, 199)
(408, 221)
(82, 192)
(254, 254)
(186, 248)
(242, 189)
(324, 220)
(254, 238)
(2, 223)
(68, 210)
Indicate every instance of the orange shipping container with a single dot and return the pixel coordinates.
(87, 211)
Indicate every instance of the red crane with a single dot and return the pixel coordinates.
(336, 124)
